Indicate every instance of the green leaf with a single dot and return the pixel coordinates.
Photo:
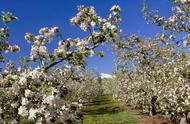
(100, 54)
(7, 17)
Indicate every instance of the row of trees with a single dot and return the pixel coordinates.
(153, 73)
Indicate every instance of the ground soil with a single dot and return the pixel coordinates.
(146, 119)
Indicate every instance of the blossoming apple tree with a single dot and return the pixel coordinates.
(51, 93)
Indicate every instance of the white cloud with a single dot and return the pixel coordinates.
(104, 75)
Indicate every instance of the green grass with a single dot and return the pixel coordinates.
(104, 110)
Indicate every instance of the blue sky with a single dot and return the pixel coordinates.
(35, 14)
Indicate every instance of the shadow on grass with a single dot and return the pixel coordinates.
(102, 105)
(96, 103)
(104, 110)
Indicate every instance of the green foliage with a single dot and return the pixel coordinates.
(27, 121)
(100, 54)
(7, 17)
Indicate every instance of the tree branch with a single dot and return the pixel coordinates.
(54, 63)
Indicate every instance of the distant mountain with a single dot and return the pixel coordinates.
(104, 75)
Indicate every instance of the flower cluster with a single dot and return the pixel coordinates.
(182, 1)
(87, 19)
(176, 25)
(38, 48)
(114, 16)
(6, 17)
(75, 50)
(53, 97)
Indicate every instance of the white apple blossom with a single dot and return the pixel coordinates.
(23, 111)
(43, 51)
(24, 101)
(33, 112)
(115, 8)
(33, 53)
(28, 93)
(14, 104)
(35, 73)
(39, 38)
(184, 1)
(63, 107)
(29, 37)
(15, 88)
(108, 26)
(55, 30)
(14, 121)
(93, 24)
(22, 81)
(84, 26)
(51, 100)
(44, 30)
